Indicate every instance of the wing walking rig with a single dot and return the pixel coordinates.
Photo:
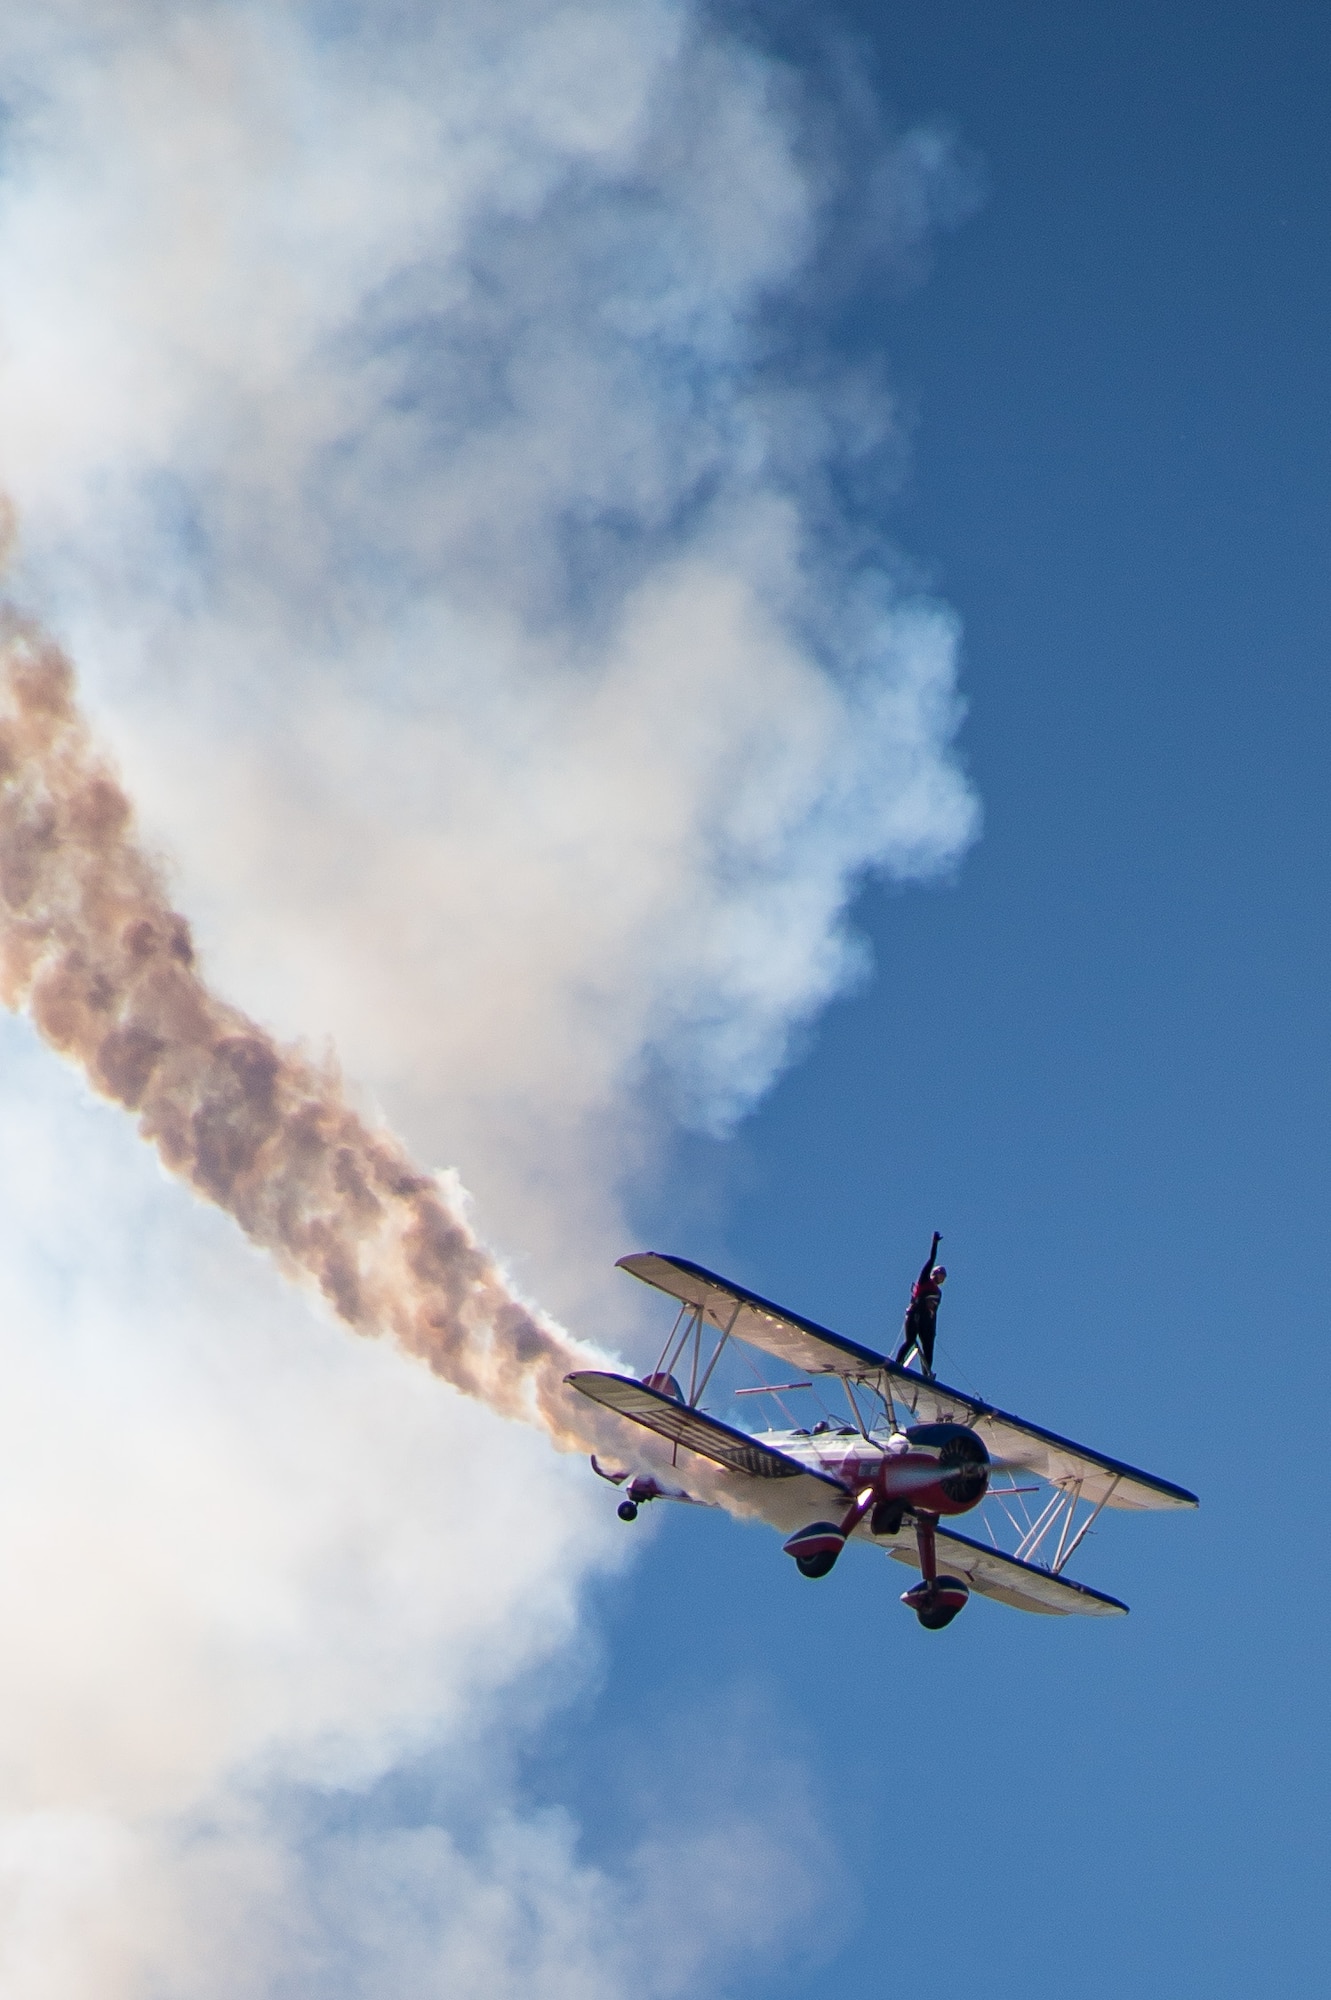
(912, 1454)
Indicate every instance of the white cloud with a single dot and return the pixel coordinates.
(252, 1567)
(390, 404)
(395, 434)
(235, 1535)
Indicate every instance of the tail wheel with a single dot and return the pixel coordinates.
(627, 1510)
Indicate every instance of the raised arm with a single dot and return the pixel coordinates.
(929, 1261)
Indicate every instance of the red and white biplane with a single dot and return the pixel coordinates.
(910, 1454)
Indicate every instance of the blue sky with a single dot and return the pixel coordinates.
(521, 489)
(1097, 1060)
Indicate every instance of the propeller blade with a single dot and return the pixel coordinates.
(930, 1475)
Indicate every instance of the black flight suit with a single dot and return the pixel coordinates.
(921, 1322)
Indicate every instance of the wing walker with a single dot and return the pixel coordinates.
(909, 1454)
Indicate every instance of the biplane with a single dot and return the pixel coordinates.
(909, 1454)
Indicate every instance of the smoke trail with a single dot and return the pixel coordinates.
(90, 945)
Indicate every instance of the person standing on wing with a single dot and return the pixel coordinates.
(921, 1322)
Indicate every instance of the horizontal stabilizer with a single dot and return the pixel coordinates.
(690, 1428)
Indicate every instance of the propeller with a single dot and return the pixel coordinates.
(911, 1476)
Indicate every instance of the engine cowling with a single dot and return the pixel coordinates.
(944, 1469)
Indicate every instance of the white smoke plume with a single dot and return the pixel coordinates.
(412, 452)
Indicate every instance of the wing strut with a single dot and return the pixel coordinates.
(688, 1328)
(1064, 1557)
(695, 1397)
(1060, 1514)
(665, 1359)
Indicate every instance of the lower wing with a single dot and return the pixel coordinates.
(708, 1436)
(1025, 1586)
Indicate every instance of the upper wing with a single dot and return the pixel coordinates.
(808, 1346)
(696, 1432)
(1103, 1480)
(801, 1342)
(1021, 1584)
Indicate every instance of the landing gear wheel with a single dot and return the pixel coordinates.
(816, 1547)
(815, 1565)
(936, 1604)
(627, 1510)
